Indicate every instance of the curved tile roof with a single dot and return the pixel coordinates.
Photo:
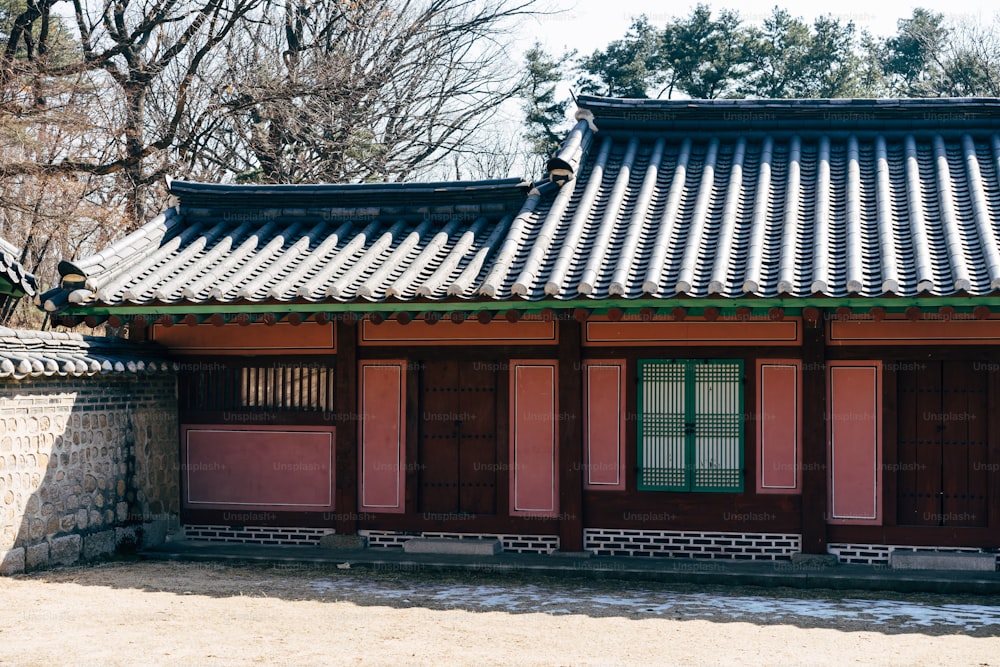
(765, 198)
(54, 353)
(645, 199)
(249, 244)
(13, 272)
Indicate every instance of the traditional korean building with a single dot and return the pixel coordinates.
(727, 329)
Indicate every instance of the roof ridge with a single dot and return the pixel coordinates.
(624, 115)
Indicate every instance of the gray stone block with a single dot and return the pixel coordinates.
(444, 545)
(99, 544)
(126, 538)
(12, 562)
(904, 559)
(154, 533)
(37, 555)
(343, 542)
(572, 554)
(65, 550)
(811, 561)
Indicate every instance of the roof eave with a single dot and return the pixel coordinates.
(693, 304)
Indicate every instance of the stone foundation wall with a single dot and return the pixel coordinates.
(518, 544)
(88, 467)
(691, 544)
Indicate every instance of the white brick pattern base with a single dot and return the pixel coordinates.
(256, 534)
(878, 554)
(689, 544)
(519, 544)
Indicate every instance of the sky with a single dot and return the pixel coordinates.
(587, 25)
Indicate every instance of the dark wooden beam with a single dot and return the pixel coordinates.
(346, 410)
(814, 466)
(570, 436)
(993, 453)
(137, 330)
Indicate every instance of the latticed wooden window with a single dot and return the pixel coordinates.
(279, 387)
(287, 388)
(691, 425)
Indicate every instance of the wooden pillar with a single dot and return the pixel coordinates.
(814, 434)
(346, 418)
(138, 331)
(993, 453)
(570, 436)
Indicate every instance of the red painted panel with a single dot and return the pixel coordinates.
(779, 442)
(534, 480)
(854, 444)
(259, 468)
(922, 332)
(497, 332)
(691, 332)
(604, 424)
(382, 429)
(280, 338)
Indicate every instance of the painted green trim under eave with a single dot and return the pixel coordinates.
(8, 288)
(791, 305)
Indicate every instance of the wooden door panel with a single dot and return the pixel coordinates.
(942, 444)
(907, 509)
(919, 449)
(439, 438)
(964, 445)
(477, 451)
(929, 447)
(458, 451)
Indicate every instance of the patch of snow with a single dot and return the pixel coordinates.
(531, 598)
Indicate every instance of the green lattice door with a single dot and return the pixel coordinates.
(691, 425)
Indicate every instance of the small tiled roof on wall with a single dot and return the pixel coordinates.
(33, 354)
(252, 244)
(764, 198)
(14, 279)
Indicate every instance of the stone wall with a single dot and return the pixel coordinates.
(88, 467)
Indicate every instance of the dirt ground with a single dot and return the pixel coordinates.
(142, 613)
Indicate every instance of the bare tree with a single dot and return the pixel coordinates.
(365, 90)
(125, 47)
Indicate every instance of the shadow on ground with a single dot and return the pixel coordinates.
(524, 592)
